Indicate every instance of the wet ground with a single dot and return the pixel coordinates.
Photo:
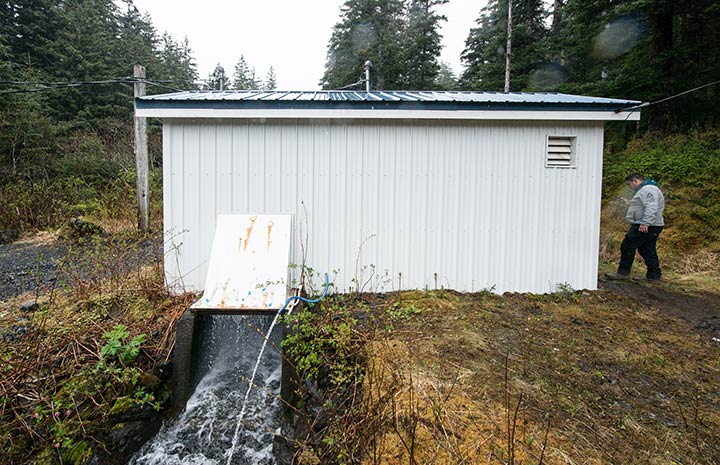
(42, 262)
(626, 374)
(700, 309)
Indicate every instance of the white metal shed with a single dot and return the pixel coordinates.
(390, 190)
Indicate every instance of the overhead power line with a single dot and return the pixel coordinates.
(647, 104)
(45, 86)
(70, 83)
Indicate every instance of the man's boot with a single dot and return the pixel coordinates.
(617, 276)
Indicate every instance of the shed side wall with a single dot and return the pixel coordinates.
(390, 204)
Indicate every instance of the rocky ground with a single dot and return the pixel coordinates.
(37, 264)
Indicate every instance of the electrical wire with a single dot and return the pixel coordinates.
(70, 84)
(647, 104)
(361, 81)
(163, 86)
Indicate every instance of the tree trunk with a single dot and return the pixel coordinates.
(508, 49)
(661, 23)
(557, 16)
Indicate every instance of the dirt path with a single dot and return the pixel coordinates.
(701, 310)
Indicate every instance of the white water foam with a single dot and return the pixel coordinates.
(203, 434)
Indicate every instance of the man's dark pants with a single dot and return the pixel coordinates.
(645, 244)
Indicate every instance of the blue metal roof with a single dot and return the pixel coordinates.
(347, 99)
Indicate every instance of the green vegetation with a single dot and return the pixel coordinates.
(116, 347)
(644, 50)
(591, 377)
(47, 204)
(324, 338)
(401, 39)
(82, 365)
(66, 150)
(412, 377)
(687, 167)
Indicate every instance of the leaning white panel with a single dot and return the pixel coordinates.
(248, 264)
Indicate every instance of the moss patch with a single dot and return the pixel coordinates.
(579, 377)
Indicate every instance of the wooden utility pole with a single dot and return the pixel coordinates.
(508, 48)
(141, 155)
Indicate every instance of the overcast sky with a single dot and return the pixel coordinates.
(290, 35)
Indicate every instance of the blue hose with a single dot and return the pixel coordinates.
(303, 299)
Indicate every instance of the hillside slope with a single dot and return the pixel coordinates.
(621, 375)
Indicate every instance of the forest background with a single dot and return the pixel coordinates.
(66, 151)
(66, 105)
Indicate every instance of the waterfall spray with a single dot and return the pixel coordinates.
(236, 436)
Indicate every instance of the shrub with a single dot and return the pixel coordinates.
(687, 166)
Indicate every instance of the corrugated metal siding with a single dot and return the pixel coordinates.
(466, 206)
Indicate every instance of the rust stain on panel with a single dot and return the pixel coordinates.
(224, 293)
(269, 228)
(249, 231)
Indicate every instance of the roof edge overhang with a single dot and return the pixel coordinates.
(217, 106)
(526, 113)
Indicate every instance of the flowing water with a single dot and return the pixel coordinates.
(225, 352)
(246, 399)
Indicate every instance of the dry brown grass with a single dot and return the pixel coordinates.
(62, 342)
(585, 378)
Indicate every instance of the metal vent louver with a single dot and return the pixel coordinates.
(560, 152)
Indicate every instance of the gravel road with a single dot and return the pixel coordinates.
(41, 262)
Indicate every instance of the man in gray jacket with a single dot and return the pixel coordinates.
(645, 215)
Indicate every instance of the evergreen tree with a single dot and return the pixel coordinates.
(270, 80)
(176, 62)
(646, 50)
(244, 76)
(484, 54)
(445, 79)
(43, 41)
(254, 80)
(87, 48)
(422, 44)
(367, 30)
(32, 26)
(138, 39)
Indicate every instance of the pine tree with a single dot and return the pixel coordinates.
(32, 26)
(253, 80)
(422, 44)
(646, 50)
(76, 130)
(244, 77)
(175, 62)
(270, 80)
(445, 79)
(368, 30)
(27, 134)
(138, 38)
(484, 54)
